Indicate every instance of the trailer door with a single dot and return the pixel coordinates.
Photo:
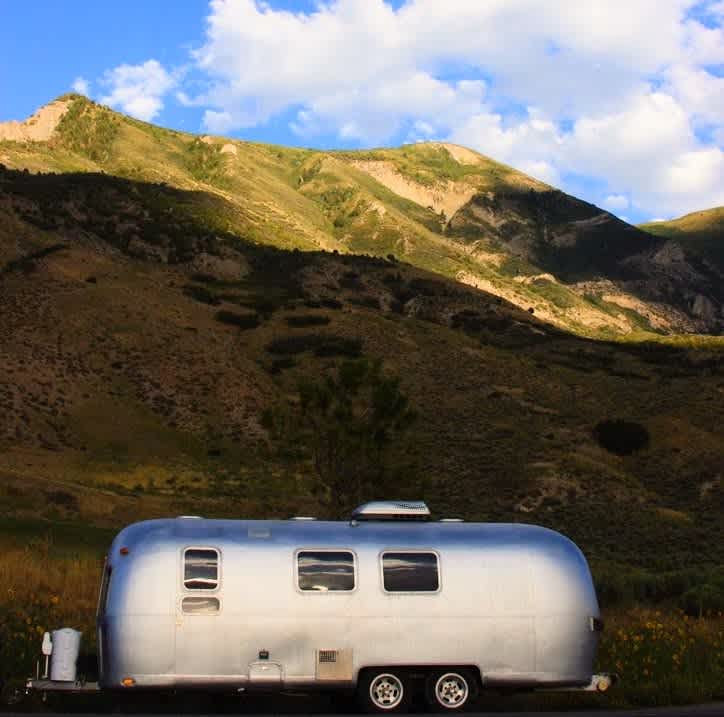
(199, 617)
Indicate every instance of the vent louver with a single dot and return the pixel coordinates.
(392, 510)
(328, 655)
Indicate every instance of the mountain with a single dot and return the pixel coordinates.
(440, 207)
(160, 293)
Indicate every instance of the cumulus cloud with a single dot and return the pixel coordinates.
(552, 87)
(633, 103)
(81, 86)
(616, 201)
(138, 90)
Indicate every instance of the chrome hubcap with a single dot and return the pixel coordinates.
(386, 691)
(451, 690)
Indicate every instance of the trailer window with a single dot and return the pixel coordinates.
(201, 569)
(200, 605)
(325, 571)
(410, 572)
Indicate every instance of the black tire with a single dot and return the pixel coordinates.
(450, 690)
(381, 690)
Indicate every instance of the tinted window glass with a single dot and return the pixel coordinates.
(325, 571)
(200, 605)
(201, 569)
(410, 572)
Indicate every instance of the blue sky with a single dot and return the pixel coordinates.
(619, 103)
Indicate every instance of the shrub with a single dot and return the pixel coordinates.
(201, 294)
(370, 302)
(428, 287)
(330, 303)
(350, 280)
(339, 346)
(63, 499)
(702, 599)
(280, 364)
(307, 320)
(242, 321)
(319, 344)
(621, 437)
(468, 320)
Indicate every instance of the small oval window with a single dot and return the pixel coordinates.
(200, 605)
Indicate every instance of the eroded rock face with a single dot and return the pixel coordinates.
(705, 309)
(39, 127)
(670, 253)
(445, 197)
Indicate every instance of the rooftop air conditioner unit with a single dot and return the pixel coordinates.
(392, 510)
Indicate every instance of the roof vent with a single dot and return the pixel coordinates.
(392, 510)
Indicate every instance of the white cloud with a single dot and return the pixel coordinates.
(701, 92)
(217, 122)
(554, 87)
(138, 89)
(81, 86)
(540, 169)
(651, 149)
(616, 201)
(648, 148)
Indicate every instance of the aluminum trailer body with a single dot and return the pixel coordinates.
(235, 604)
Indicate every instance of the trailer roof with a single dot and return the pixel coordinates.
(297, 533)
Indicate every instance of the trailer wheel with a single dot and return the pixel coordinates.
(384, 691)
(450, 689)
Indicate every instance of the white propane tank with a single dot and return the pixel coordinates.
(66, 646)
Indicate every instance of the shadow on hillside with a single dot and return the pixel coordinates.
(163, 224)
(578, 242)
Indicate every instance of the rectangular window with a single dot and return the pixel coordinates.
(201, 569)
(410, 572)
(200, 605)
(325, 571)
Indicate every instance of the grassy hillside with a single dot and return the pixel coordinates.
(119, 376)
(161, 293)
(702, 232)
(440, 207)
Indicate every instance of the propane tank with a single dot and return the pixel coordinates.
(65, 649)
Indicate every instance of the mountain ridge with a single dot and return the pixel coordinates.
(467, 217)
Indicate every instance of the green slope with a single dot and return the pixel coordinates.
(439, 207)
(702, 232)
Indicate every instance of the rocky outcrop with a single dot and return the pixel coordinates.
(39, 127)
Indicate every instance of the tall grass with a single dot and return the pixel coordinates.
(664, 657)
(40, 592)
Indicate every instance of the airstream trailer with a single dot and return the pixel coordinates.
(387, 603)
